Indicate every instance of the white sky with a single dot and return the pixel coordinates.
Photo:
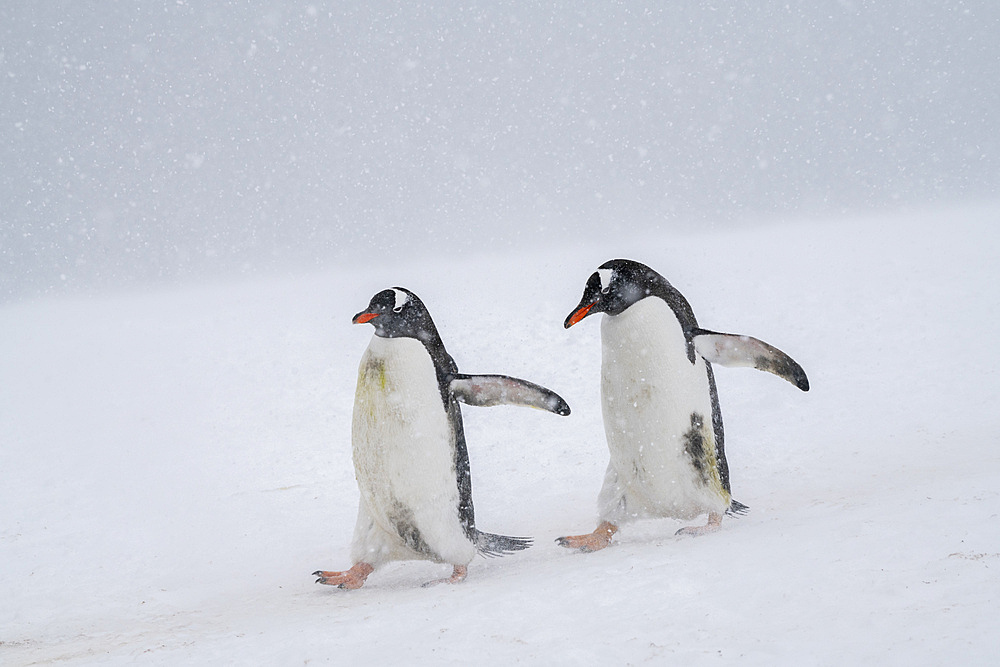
(153, 141)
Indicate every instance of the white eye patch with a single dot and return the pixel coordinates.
(606, 276)
(402, 298)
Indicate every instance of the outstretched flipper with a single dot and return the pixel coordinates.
(736, 350)
(490, 390)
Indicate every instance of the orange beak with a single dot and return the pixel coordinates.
(578, 315)
(361, 318)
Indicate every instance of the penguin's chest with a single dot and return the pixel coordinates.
(657, 405)
(403, 443)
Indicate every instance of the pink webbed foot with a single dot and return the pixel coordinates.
(457, 576)
(714, 521)
(349, 579)
(595, 541)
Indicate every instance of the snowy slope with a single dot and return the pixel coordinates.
(174, 464)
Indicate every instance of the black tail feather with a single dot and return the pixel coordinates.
(736, 508)
(491, 545)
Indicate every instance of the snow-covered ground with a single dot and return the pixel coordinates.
(175, 463)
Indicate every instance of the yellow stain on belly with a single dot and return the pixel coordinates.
(372, 381)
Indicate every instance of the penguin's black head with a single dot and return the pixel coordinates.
(398, 313)
(615, 286)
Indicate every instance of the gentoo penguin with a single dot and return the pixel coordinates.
(660, 406)
(409, 451)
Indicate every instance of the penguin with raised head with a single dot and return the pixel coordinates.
(659, 401)
(409, 450)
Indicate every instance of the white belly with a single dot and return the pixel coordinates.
(404, 459)
(649, 392)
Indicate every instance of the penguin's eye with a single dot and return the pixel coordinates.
(397, 309)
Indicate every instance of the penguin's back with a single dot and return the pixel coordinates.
(404, 451)
(657, 409)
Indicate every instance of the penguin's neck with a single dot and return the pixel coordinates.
(646, 334)
(392, 364)
(645, 364)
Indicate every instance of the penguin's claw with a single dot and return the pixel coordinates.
(349, 579)
(583, 543)
(714, 522)
(458, 575)
(595, 541)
